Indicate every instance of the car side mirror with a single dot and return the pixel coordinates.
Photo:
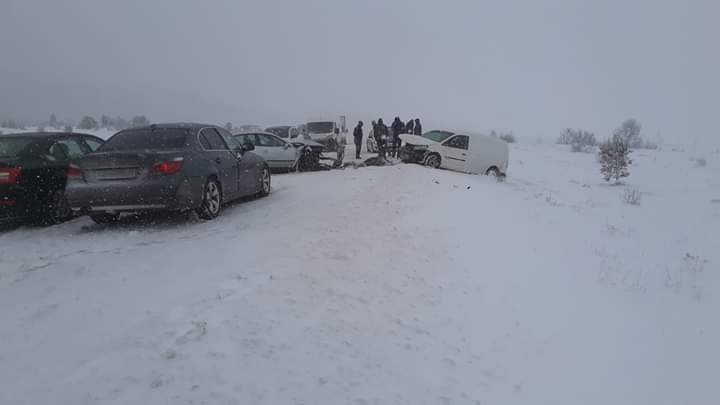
(286, 146)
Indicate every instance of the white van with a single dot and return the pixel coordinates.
(467, 153)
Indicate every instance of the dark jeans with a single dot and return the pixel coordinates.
(358, 148)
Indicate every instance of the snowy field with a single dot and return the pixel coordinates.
(395, 285)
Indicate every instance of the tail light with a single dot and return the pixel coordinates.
(74, 172)
(10, 175)
(167, 167)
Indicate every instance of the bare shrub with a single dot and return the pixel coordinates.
(579, 141)
(632, 196)
(700, 162)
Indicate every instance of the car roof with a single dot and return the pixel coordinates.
(43, 135)
(255, 132)
(279, 127)
(175, 125)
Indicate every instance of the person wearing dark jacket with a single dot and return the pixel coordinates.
(410, 126)
(381, 133)
(397, 128)
(358, 137)
(417, 130)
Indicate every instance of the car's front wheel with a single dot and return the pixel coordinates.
(212, 200)
(433, 161)
(264, 182)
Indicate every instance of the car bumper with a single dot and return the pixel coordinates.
(163, 193)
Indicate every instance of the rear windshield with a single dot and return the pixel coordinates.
(142, 139)
(12, 147)
(320, 127)
(282, 132)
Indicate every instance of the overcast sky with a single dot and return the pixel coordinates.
(533, 66)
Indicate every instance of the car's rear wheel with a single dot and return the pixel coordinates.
(104, 218)
(56, 209)
(493, 171)
(212, 200)
(264, 182)
(433, 161)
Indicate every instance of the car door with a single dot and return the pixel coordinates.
(73, 148)
(248, 163)
(455, 153)
(223, 159)
(282, 154)
(92, 143)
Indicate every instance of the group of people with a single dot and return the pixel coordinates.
(387, 139)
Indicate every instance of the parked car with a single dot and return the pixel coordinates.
(324, 132)
(33, 174)
(467, 153)
(295, 154)
(169, 167)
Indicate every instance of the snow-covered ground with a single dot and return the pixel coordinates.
(395, 285)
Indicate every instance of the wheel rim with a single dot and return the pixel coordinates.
(433, 162)
(265, 181)
(492, 172)
(212, 196)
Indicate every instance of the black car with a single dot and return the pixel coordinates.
(33, 174)
(166, 167)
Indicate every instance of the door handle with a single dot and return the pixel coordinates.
(218, 160)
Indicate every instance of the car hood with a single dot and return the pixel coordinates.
(417, 140)
(307, 142)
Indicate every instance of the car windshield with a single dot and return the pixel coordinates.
(437, 136)
(12, 147)
(142, 139)
(320, 127)
(282, 132)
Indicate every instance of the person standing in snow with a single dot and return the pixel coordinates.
(417, 130)
(358, 137)
(397, 128)
(410, 126)
(340, 141)
(381, 133)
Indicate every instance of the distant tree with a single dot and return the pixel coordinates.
(106, 122)
(121, 123)
(229, 126)
(614, 157)
(68, 128)
(88, 122)
(566, 137)
(493, 134)
(579, 140)
(41, 128)
(53, 121)
(629, 132)
(12, 124)
(139, 121)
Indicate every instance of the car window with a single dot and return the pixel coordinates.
(92, 143)
(227, 136)
(11, 147)
(214, 139)
(437, 136)
(57, 151)
(269, 141)
(71, 147)
(147, 139)
(458, 142)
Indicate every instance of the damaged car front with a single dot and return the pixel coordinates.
(415, 147)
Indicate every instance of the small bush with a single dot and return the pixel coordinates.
(632, 196)
(579, 141)
(700, 162)
(614, 158)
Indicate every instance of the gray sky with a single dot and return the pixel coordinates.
(533, 67)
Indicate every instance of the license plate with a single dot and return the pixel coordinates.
(116, 174)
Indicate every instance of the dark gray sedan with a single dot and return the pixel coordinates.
(175, 167)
